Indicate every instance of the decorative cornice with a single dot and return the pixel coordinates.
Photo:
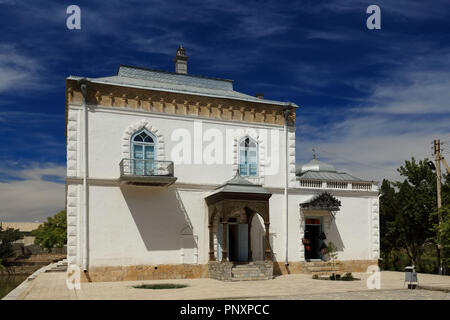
(112, 96)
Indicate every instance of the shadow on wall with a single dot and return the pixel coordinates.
(159, 217)
(331, 231)
(334, 236)
(257, 234)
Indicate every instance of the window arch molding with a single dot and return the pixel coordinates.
(131, 131)
(259, 179)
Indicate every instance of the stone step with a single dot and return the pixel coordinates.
(243, 266)
(251, 278)
(250, 274)
(243, 275)
(245, 270)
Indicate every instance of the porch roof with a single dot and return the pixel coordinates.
(239, 184)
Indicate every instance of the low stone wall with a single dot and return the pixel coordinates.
(265, 268)
(342, 266)
(214, 269)
(355, 265)
(220, 270)
(146, 272)
(31, 264)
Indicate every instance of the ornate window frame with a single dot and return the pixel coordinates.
(131, 130)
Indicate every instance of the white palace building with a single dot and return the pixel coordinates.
(172, 175)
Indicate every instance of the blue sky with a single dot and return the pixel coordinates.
(369, 98)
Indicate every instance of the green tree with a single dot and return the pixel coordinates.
(53, 233)
(7, 237)
(407, 223)
(443, 232)
(332, 253)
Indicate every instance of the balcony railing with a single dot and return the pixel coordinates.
(146, 172)
(340, 185)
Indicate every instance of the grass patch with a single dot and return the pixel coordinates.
(160, 286)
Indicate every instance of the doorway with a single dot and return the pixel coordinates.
(313, 230)
(238, 242)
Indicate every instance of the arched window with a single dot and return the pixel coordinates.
(248, 157)
(143, 153)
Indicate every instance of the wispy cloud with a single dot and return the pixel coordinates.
(28, 195)
(17, 70)
(397, 119)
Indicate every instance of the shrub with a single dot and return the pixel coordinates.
(348, 277)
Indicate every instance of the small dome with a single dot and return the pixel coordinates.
(315, 165)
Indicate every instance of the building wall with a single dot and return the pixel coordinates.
(106, 148)
(130, 225)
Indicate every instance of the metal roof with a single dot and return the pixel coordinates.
(319, 170)
(315, 165)
(238, 184)
(179, 83)
(327, 176)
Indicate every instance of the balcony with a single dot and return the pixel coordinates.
(146, 172)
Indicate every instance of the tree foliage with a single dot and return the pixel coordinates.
(53, 233)
(7, 237)
(407, 222)
(443, 230)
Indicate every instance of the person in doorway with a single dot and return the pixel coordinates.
(307, 244)
(323, 249)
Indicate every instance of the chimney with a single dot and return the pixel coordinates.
(181, 60)
(260, 95)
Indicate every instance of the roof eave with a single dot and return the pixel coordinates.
(272, 102)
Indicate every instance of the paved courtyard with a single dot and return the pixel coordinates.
(50, 286)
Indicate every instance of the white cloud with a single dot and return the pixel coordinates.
(16, 69)
(400, 117)
(31, 198)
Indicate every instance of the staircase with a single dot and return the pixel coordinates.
(60, 266)
(322, 268)
(251, 271)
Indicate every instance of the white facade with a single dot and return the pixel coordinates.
(149, 225)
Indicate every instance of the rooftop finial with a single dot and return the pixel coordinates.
(181, 60)
(314, 153)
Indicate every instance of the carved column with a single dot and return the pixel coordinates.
(249, 224)
(268, 251)
(211, 242)
(225, 241)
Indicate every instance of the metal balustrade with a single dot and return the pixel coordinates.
(146, 172)
(319, 184)
(146, 167)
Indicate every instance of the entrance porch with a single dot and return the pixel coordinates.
(239, 247)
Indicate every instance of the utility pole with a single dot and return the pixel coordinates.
(437, 153)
